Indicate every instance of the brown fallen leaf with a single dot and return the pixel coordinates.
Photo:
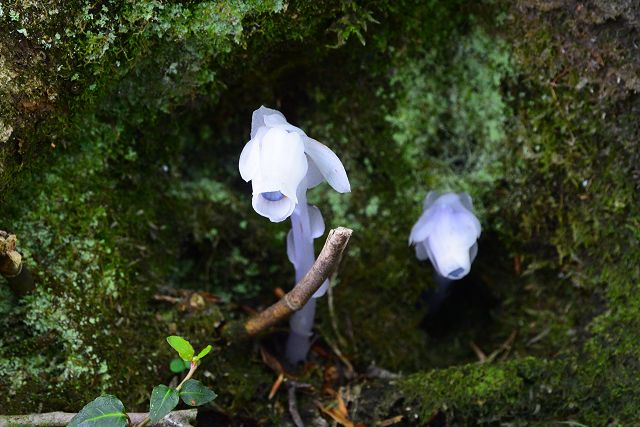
(330, 378)
(342, 407)
(271, 361)
(276, 386)
(335, 415)
(339, 413)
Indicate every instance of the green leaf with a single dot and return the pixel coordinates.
(182, 346)
(105, 411)
(163, 400)
(193, 393)
(178, 365)
(204, 352)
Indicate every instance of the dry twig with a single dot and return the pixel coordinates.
(295, 299)
(183, 418)
(293, 401)
(390, 421)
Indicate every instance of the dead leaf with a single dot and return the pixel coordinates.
(335, 415)
(271, 361)
(276, 386)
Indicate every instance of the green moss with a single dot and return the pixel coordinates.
(115, 192)
(572, 216)
(482, 393)
(450, 111)
(118, 171)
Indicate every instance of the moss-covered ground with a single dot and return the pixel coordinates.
(121, 124)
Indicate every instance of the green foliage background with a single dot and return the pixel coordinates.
(120, 128)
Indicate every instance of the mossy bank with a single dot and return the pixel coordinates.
(121, 126)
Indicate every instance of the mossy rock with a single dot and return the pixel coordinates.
(120, 134)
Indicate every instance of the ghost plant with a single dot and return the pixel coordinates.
(282, 162)
(447, 234)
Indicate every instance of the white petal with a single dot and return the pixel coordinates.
(450, 261)
(276, 211)
(432, 196)
(470, 220)
(274, 120)
(421, 251)
(322, 290)
(450, 242)
(466, 227)
(316, 222)
(449, 216)
(282, 160)
(448, 199)
(249, 161)
(456, 207)
(291, 249)
(314, 176)
(466, 201)
(328, 163)
(257, 118)
(278, 121)
(473, 251)
(423, 228)
(457, 228)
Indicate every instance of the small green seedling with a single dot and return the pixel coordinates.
(108, 411)
(178, 365)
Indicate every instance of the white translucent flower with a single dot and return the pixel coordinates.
(280, 160)
(447, 234)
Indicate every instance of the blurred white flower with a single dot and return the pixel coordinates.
(280, 160)
(447, 234)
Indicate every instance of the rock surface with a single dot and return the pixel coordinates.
(120, 129)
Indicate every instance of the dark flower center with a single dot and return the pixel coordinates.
(456, 272)
(272, 196)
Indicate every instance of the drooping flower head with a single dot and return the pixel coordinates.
(280, 160)
(447, 234)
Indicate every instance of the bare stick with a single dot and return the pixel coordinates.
(292, 386)
(184, 418)
(293, 407)
(294, 300)
(11, 265)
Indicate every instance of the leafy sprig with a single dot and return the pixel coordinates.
(108, 411)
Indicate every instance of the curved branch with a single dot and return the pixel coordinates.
(294, 300)
(184, 418)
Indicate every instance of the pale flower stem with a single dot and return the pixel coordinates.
(301, 322)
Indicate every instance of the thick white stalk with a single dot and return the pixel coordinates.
(301, 322)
